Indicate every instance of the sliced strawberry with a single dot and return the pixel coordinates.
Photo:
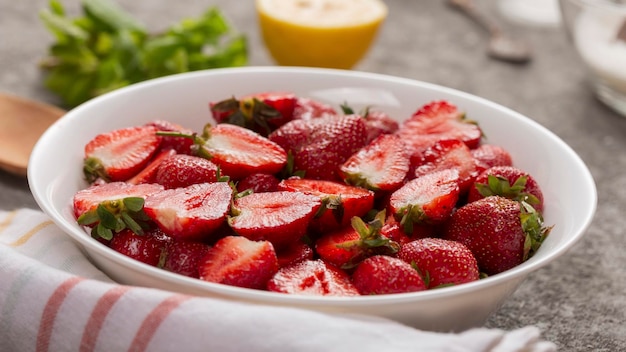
(181, 145)
(427, 199)
(120, 154)
(148, 174)
(279, 217)
(183, 170)
(307, 109)
(319, 146)
(238, 261)
(381, 165)
(450, 154)
(183, 257)
(346, 247)
(489, 155)
(312, 278)
(294, 253)
(382, 274)
(340, 202)
(239, 152)
(258, 183)
(190, 213)
(435, 121)
(89, 198)
(147, 248)
(509, 182)
(441, 262)
(261, 113)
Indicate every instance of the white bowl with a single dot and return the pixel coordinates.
(54, 175)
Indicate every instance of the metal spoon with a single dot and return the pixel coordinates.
(500, 46)
(22, 122)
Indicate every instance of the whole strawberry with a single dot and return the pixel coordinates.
(319, 146)
(509, 182)
(502, 233)
(147, 248)
(182, 257)
(441, 262)
(183, 170)
(382, 274)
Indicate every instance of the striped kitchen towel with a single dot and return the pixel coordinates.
(53, 299)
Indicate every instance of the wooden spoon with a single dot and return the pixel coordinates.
(22, 122)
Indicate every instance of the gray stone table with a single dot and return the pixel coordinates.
(578, 301)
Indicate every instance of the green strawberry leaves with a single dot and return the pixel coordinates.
(533, 227)
(113, 216)
(500, 186)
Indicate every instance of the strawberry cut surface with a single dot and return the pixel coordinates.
(341, 202)
(381, 165)
(119, 155)
(279, 217)
(312, 278)
(192, 212)
(240, 152)
(237, 261)
(88, 199)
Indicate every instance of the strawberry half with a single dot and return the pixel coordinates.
(120, 154)
(190, 213)
(279, 217)
(238, 151)
(89, 198)
(435, 121)
(319, 146)
(441, 262)
(382, 274)
(449, 154)
(382, 165)
(312, 278)
(340, 202)
(500, 232)
(427, 199)
(238, 261)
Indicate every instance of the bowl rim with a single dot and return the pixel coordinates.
(518, 272)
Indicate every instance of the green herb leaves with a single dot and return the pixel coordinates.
(106, 49)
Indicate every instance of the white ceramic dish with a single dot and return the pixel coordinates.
(54, 176)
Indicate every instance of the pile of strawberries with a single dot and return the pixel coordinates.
(289, 195)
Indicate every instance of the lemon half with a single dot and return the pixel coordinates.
(319, 33)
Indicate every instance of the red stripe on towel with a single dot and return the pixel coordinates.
(98, 315)
(50, 312)
(152, 322)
